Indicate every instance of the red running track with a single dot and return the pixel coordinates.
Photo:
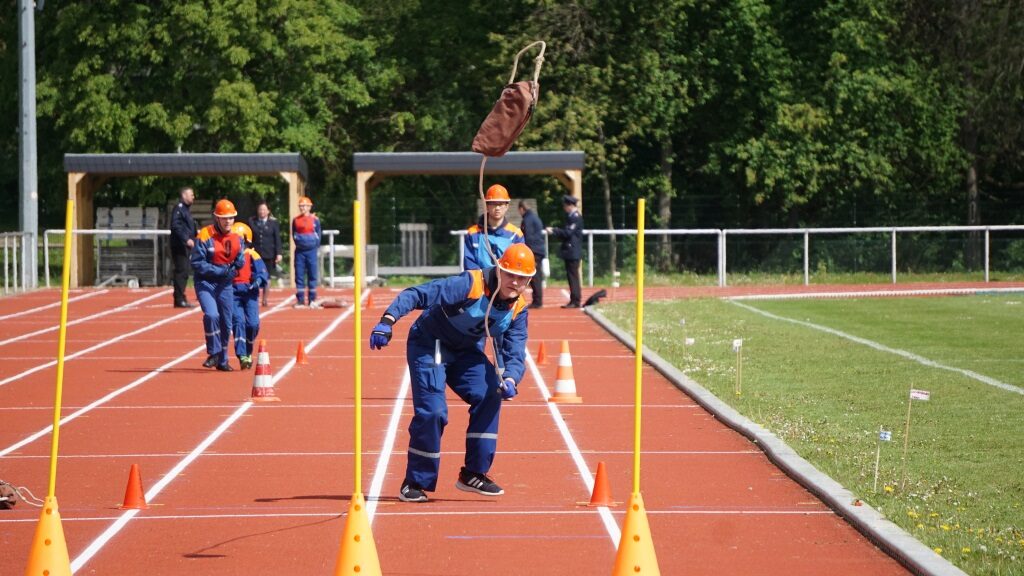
(267, 494)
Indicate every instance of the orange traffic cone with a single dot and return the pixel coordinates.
(263, 380)
(134, 499)
(358, 552)
(49, 554)
(636, 548)
(565, 384)
(542, 357)
(300, 354)
(602, 495)
(369, 300)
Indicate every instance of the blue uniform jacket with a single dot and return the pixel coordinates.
(306, 232)
(502, 236)
(252, 275)
(454, 311)
(214, 256)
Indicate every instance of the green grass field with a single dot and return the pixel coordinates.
(827, 396)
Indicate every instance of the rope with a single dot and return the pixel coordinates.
(19, 492)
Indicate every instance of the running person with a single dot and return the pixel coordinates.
(216, 258)
(446, 345)
(246, 317)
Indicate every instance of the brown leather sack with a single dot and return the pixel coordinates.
(511, 112)
(507, 119)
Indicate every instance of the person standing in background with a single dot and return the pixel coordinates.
(266, 240)
(492, 234)
(533, 233)
(183, 233)
(306, 234)
(571, 250)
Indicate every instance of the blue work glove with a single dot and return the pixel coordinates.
(507, 387)
(381, 335)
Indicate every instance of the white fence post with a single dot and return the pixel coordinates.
(807, 244)
(590, 258)
(893, 255)
(46, 256)
(986, 252)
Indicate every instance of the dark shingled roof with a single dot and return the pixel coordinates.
(262, 164)
(388, 163)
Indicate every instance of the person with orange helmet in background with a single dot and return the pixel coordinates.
(216, 258)
(306, 234)
(492, 227)
(246, 315)
(446, 345)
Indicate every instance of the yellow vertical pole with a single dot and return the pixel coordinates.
(357, 242)
(640, 209)
(61, 342)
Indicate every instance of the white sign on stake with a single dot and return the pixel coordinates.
(920, 394)
(885, 435)
(737, 344)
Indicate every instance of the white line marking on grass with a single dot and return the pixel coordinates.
(883, 348)
(51, 305)
(387, 448)
(85, 319)
(120, 523)
(93, 405)
(104, 344)
(574, 450)
(878, 293)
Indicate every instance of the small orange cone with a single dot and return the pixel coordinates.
(369, 300)
(49, 553)
(636, 548)
(300, 354)
(542, 356)
(358, 554)
(602, 495)
(263, 379)
(134, 499)
(565, 384)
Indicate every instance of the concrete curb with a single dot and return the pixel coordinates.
(892, 539)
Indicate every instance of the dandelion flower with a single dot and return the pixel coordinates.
(937, 550)
(945, 527)
(889, 488)
(965, 550)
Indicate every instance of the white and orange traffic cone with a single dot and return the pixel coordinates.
(263, 380)
(565, 384)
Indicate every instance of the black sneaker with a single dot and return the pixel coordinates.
(211, 361)
(479, 483)
(225, 368)
(411, 493)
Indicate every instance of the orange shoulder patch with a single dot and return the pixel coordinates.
(476, 290)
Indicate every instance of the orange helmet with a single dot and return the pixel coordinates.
(225, 209)
(243, 230)
(304, 200)
(497, 193)
(518, 259)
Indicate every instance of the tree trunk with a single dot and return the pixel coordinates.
(665, 205)
(609, 223)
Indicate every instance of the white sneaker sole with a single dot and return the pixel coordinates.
(468, 488)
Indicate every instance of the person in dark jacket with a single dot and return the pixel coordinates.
(533, 232)
(571, 251)
(266, 240)
(183, 233)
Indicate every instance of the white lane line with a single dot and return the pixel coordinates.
(122, 308)
(883, 348)
(577, 456)
(388, 447)
(104, 344)
(428, 513)
(122, 390)
(153, 492)
(51, 305)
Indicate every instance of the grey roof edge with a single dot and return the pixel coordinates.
(893, 540)
(411, 163)
(187, 164)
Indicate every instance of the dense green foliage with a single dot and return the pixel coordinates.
(740, 113)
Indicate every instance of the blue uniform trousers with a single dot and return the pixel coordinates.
(305, 268)
(246, 321)
(470, 375)
(218, 306)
